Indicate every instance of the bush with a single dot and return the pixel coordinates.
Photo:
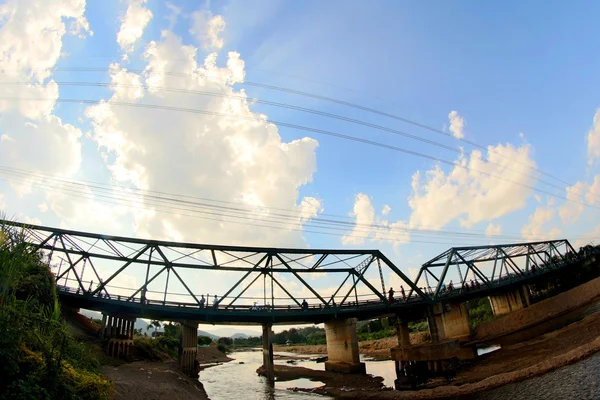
(39, 359)
(222, 348)
(204, 341)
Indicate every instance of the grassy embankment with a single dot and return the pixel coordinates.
(40, 359)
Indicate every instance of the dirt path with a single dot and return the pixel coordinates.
(145, 380)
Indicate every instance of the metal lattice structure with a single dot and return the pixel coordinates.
(95, 271)
(492, 266)
(103, 259)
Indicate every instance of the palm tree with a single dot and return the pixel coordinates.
(156, 324)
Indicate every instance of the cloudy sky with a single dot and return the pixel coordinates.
(415, 125)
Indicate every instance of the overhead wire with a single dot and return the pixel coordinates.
(326, 99)
(296, 108)
(318, 224)
(309, 129)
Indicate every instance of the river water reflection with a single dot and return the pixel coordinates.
(239, 381)
(233, 380)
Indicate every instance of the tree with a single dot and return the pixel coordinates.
(156, 324)
(204, 341)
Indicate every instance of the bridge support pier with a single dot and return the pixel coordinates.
(449, 321)
(268, 363)
(342, 347)
(188, 348)
(117, 333)
(508, 302)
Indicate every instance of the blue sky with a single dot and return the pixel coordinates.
(523, 78)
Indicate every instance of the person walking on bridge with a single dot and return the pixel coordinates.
(403, 293)
(202, 301)
(304, 305)
(215, 302)
(391, 296)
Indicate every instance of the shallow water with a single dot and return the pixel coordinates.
(233, 380)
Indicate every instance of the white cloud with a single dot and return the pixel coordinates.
(31, 137)
(386, 210)
(571, 211)
(173, 15)
(133, 24)
(535, 228)
(238, 160)
(493, 230)
(207, 27)
(593, 139)
(370, 228)
(578, 195)
(457, 124)
(472, 194)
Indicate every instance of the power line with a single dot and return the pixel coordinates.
(326, 99)
(296, 108)
(320, 224)
(308, 129)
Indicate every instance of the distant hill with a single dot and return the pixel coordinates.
(239, 336)
(210, 335)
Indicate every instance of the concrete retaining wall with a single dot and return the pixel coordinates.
(539, 313)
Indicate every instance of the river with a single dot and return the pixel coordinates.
(233, 380)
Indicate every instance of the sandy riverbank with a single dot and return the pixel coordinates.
(512, 363)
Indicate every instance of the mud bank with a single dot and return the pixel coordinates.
(146, 380)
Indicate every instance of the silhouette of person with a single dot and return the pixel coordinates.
(202, 301)
(304, 305)
(402, 292)
(391, 295)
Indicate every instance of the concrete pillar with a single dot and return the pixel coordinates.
(102, 326)
(508, 302)
(342, 347)
(403, 333)
(456, 321)
(435, 323)
(268, 363)
(188, 348)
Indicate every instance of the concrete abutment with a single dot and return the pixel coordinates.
(116, 331)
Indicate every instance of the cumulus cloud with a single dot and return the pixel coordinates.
(593, 139)
(535, 228)
(473, 194)
(368, 227)
(386, 210)
(493, 230)
(578, 195)
(241, 160)
(206, 28)
(457, 124)
(31, 136)
(133, 24)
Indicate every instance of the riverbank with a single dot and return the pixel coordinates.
(511, 364)
(152, 380)
(378, 349)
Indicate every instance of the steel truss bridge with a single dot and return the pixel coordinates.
(168, 280)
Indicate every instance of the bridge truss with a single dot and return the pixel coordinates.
(463, 269)
(162, 272)
(120, 273)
